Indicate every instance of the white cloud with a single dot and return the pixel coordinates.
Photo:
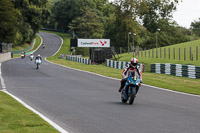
(187, 12)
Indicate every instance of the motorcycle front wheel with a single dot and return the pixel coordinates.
(132, 96)
(37, 66)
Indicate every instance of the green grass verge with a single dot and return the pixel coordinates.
(150, 60)
(15, 118)
(37, 43)
(181, 84)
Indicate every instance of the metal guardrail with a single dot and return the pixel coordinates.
(24, 50)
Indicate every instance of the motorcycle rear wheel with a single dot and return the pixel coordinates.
(122, 97)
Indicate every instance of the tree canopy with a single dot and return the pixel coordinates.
(118, 20)
(8, 18)
(21, 19)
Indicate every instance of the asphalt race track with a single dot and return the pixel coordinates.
(86, 103)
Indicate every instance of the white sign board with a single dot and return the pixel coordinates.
(93, 42)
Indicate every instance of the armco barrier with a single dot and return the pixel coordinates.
(189, 71)
(78, 59)
(5, 56)
(121, 64)
(24, 50)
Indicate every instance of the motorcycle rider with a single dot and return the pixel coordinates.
(31, 56)
(132, 66)
(23, 54)
(38, 57)
(43, 45)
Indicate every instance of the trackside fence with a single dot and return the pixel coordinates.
(24, 50)
(121, 64)
(109, 63)
(177, 70)
(78, 59)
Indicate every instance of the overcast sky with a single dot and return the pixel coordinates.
(187, 12)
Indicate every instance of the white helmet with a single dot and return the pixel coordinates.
(38, 55)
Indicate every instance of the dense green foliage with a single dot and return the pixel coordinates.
(7, 21)
(64, 11)
(115, 20)
(21, 20)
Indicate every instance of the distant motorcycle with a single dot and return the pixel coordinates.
(130, 90)
(38, 62)
(22, 55)
(43, 46)
(31, 57)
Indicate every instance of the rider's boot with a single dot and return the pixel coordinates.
(122, 85)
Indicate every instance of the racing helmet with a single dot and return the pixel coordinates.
(134, 62)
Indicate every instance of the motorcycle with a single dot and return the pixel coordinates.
(43, 46)
(38, 62)
(22, 55)
(31, 57)
(131, 88)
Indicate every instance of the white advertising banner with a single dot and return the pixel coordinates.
(93, 42)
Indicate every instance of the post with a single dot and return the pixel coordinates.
(138, 51)
(190, 53)
(179, 54)
(152, 53)
(174, 54)
(197, 53)
(133, 43)
(128, 42)
(160, 52)
(191, 56)
(157, 42)
(165, 53)
(142, 52)
(149, 52)
(169, 53)
(184, 55)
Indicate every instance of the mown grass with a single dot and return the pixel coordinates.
(15, 118)
(151, 57)
(17, 48)
(181, 84)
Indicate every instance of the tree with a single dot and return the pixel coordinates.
(7, 21)
(196, 27)
(87, 26)
(122, 22)
(64, 11)
(31, 14)
(154, 13)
